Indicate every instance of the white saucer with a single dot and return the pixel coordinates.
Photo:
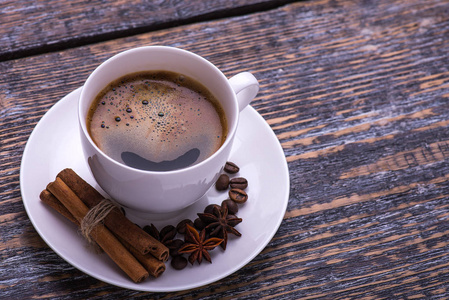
(55, 144)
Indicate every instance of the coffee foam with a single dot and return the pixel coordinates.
(159, 117)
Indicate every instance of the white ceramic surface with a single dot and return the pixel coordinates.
(161, 192)
(55, 144)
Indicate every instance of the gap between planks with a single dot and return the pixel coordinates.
(73, 42)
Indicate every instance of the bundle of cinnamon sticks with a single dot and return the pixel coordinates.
(136, 252)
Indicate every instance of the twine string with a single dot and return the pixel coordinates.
(94, 217)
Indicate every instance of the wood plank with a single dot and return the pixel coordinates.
(35, 27)
(356, 91)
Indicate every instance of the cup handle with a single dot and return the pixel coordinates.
(245, 86)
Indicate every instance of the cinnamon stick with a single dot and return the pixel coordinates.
(54, 203)
(104, 238)
(115, 221)
(154, 266)
(49, 199)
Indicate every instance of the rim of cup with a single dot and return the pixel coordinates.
(82, 116)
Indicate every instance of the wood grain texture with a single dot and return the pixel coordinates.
(34, 27)
(357, 93)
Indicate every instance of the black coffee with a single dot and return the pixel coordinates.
(157, 121)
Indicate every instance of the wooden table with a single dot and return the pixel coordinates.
(356, 92)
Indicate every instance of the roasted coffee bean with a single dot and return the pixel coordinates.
(231, 168)
(181, 227)
(152, 230)
(237, 195)
(167, 233)
(174, 246)
(222, 182)
(179, 262)
(210, 208)
(238, 183)
(233, 208)
(199, 224)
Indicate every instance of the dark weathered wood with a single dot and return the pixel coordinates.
(35, 27)
(357, 93)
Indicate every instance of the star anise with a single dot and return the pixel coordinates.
(220, 223)
(197, 245)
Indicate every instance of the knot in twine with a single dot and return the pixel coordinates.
(95, 216)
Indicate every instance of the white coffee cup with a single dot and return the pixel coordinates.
(162, 192)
